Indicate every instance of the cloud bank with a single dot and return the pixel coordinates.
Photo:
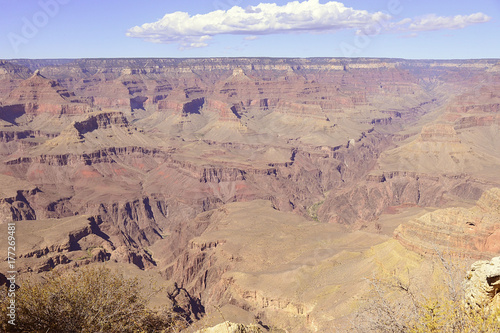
(295, 17)
(432, 22)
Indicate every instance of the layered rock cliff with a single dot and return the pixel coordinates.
(472, 232)
(151, 152)
(40, 95)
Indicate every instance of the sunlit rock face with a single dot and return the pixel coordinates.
(224, 175)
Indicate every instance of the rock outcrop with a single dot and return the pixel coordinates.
(69, 242)
(16, 200)
(11, 75)
(482, 284)
(464, 232)
(38, 95)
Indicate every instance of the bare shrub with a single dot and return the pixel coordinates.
(400, 307)
(87, 300)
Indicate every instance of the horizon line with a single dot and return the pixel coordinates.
(255, 57)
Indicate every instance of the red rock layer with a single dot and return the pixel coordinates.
(473, 233)
(40, 95)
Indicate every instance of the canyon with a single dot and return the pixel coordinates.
(267, 189)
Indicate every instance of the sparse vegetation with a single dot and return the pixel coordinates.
(148, 252)
(88, 254)
(87, 300)
(313, 210)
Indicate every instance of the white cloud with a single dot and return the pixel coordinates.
(295, 17)
(263, 19)
(433, 22)
(251, 37)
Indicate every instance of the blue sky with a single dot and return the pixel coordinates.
(413, 29)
